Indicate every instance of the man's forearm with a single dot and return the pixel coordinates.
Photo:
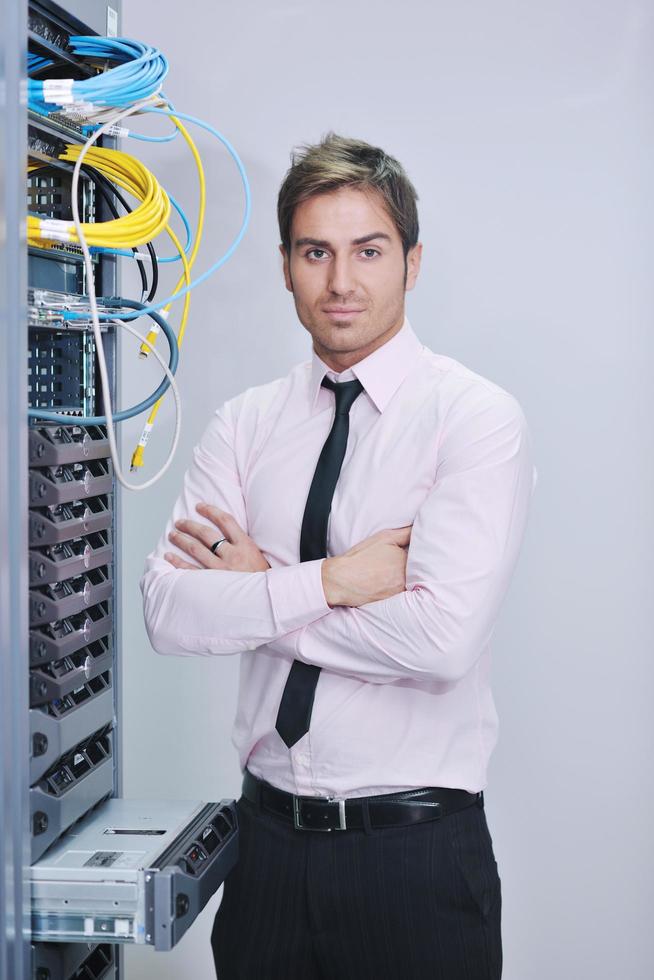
(189, 608)
(207, 611)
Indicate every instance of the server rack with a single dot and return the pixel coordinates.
(14, 661)
(73, 657)
(151, 867)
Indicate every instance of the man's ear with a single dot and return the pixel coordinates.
(413, 258)
(286, 268)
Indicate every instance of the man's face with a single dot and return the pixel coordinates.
(347, 274)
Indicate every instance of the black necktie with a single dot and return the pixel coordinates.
(294, 715)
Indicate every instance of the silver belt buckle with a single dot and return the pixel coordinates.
(297, 821)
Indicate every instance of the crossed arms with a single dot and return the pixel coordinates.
(464, 544)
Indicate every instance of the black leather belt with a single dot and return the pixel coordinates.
(330, 813)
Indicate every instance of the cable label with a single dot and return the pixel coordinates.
(145, 435)
(58, 90)
(56, 230)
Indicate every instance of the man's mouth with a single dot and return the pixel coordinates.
(341, 312)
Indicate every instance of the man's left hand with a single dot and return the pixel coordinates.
(238, 553)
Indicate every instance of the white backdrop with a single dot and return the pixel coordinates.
(527, 130)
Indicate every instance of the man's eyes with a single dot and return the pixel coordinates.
(315, 251)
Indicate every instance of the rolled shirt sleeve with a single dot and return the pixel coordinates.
(216, 611)
(464, 546)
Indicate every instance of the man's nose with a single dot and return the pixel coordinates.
(341, 280)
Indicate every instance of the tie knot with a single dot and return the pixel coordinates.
(345, 393)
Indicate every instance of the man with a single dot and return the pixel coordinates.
(351, 529)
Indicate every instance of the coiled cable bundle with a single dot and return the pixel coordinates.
(139, 74)
(100, 105)
(140, 226)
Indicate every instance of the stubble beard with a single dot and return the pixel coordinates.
(321, 343)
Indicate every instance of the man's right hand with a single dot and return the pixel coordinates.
(371, 570)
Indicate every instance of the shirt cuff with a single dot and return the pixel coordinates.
(297, 595)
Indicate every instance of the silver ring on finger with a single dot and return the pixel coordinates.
(214, 547)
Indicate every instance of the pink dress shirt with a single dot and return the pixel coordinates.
(403, 699)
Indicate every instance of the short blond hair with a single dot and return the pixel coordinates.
(338, 161)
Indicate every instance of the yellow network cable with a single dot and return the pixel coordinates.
(137, 456)
(117, 166)
(142, 225)
(152, 335)
(130, 174)
(117, 175)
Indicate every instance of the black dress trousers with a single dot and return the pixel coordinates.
(420, 902)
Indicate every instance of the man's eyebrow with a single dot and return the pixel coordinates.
(323, 243)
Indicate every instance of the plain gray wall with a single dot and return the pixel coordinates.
(528, 132)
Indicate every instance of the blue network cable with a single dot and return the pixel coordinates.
(157, 139)
(90, 128)
(71, 315)
(35, 62)
(139, 73)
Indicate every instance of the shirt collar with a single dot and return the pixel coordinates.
(381, 373)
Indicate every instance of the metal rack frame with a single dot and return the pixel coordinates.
(15, 911)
